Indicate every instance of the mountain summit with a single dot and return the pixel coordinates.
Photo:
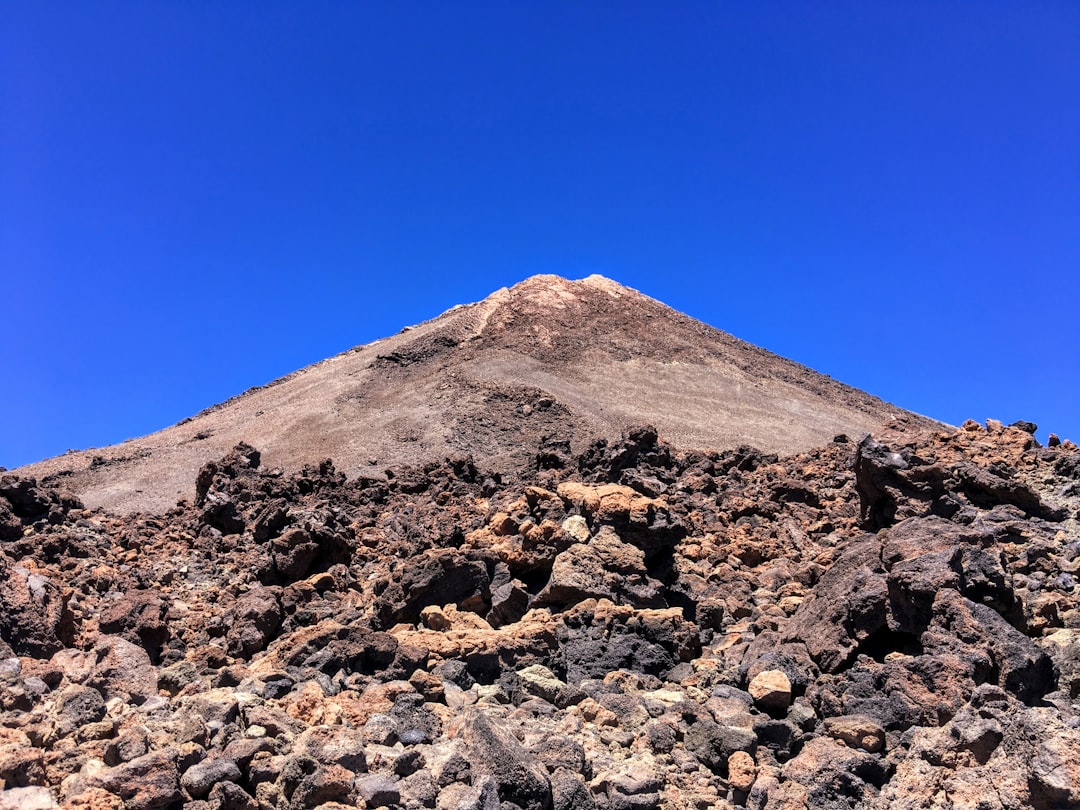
(581, 359)
(572, 620)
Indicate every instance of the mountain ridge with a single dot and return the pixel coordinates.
(583, 359)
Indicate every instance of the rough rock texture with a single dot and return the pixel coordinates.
(886, 623)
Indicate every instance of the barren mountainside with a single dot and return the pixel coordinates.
(451, 570)
(580, 360)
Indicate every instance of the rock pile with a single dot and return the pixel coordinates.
(885, 623)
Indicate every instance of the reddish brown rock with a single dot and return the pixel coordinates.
(34, 617)
(742, 771)
(634, 626)
(857, 731)
(150, 782)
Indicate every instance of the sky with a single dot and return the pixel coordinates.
(200, 197)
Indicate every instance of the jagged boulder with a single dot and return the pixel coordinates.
(597, 637)
(494, 752)
(603, 567)
(34, 614)
(437, 578)
(253, 621)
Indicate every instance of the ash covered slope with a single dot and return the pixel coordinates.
(578, 359)
(892, 624)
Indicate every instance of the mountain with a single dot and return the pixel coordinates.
(578, 359)
(569, 619)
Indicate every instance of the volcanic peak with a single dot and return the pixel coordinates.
(582, 360)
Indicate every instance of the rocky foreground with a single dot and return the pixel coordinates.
(885, 623)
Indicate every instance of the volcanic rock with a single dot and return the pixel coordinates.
(771, 690)
(493, 751)
(33, 610)
(613, 622)
(720, 637)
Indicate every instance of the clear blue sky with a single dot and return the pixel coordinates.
(198, 197)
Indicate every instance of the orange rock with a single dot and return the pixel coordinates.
(857, 731)
(312, 706)
(595, 713)
(742, 771)
(771, 690)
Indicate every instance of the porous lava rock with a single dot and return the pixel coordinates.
(889, 622)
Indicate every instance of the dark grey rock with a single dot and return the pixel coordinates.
(377, 790)
(409, 762)
(200, 778)
(557, 752)
(415, 722)
(253, 621)
(712, 743)
(568, 792)
(495, 752)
